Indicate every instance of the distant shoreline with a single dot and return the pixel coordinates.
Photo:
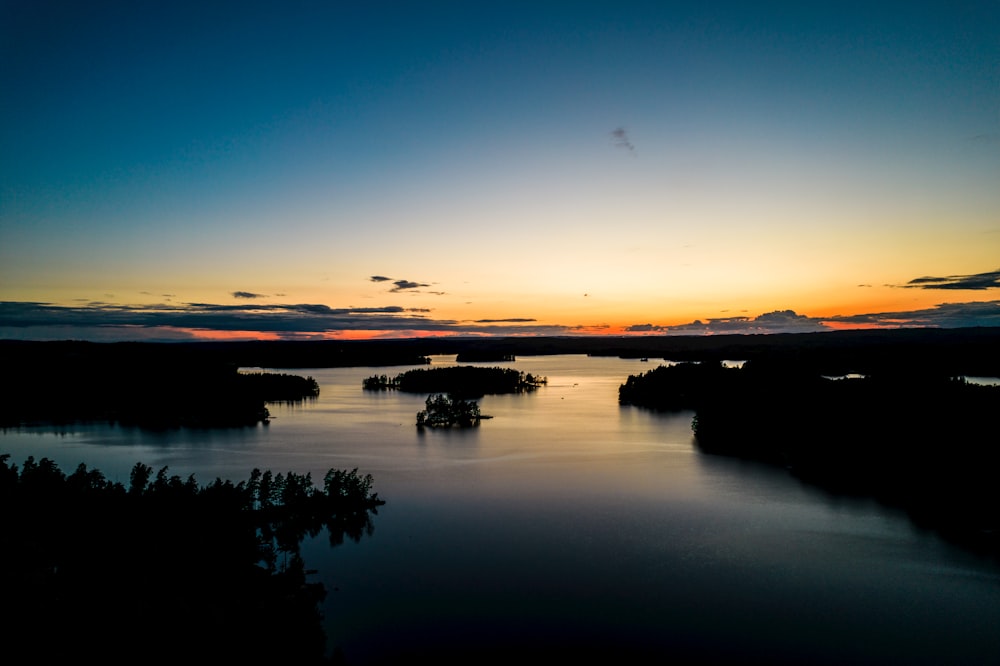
(956, 351)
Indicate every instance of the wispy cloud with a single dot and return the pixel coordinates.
(399, 286)
(944, 315)
(34, 320)
(405, 285)
(246, 294)
(986, 138)
(779, 321)
(620, 138)
(104, 321)
(978, 281)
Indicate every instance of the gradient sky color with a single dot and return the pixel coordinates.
(355, 169)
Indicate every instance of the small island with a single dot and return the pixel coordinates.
(443, 411)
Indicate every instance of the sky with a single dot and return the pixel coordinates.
(311, 170)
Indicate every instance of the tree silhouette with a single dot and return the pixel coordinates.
(443, 411)
(213, 568)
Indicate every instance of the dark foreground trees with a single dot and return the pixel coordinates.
(165, 569)
(916, 439)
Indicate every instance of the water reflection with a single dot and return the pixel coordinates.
(567, 521)
(984, 381)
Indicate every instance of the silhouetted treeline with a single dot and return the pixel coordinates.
(958, 351)
(674, 387)
(911, 437)
(461, 381)
(443, 411)
(483, 356)
(137, 385)
(280, 387)
(164, 569)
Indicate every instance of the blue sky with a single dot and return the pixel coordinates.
(573, 167)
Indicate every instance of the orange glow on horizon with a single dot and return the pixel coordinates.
(205, 335)
(844, 326)
(208, 335)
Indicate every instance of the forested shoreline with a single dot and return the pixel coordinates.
(135, 386)
(197, 384)
(912, 438)
(909, 433)
(959, 351)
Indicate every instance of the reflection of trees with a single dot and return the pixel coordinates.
(908, 437)
(166, 565)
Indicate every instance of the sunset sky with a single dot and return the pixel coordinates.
(182, 170)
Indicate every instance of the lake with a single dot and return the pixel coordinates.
(567, 524)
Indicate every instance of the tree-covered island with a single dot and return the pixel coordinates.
(919, 440)
(93, 570)
(460, 381)
(454, 390)
(443, 411)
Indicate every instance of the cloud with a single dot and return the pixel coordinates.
(103, 321)
(943, 315)
(30, 320)
(620, 137)
(990, 138)
(404, 285)
(779, 321)
(979, 281)
(246, 294)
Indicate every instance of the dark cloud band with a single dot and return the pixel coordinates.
(978, 281)
(99, 320)
(944, 315)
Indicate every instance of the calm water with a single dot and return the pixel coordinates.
(569, 522)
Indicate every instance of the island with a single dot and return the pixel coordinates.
(454, 389)
(443, 411)
(462, 381)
